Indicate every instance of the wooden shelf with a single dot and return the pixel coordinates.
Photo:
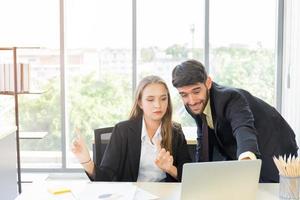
(6, 48)
(12, 93)
(7, 93)
(15, 94)
(32, 135)
(12, 48)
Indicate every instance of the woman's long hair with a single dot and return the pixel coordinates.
(166, 123)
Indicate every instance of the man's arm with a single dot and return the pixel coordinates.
(240, 116)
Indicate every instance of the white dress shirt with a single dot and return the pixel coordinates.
(148, 170)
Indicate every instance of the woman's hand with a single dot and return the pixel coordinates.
(80, 149)
(164, 161)
(82, 154)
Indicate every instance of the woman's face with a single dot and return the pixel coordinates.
(154, 101)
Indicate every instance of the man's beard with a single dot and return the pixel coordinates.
(204, 104)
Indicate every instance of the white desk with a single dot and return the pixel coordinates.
(165, 191)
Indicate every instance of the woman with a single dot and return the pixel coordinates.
(147, 147)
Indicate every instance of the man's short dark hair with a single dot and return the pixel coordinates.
(188, 73)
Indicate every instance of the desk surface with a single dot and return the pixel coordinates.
(165, 191)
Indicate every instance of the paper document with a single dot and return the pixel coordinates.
(143, 194)
(108, 191)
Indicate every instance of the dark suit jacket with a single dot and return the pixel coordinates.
(121, 159)
(243, 123)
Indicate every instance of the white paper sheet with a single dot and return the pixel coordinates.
(143, 194)
(108, 191)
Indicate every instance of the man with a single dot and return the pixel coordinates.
(232, 124)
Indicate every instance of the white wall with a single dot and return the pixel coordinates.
(291, 66)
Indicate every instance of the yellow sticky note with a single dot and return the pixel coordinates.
(59, 190)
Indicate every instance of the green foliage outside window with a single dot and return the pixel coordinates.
(253, 70)
(93, 103)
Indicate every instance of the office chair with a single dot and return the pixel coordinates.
(101, 137)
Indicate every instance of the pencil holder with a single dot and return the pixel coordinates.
(289, 187)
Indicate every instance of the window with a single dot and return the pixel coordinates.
(242, 45)
(99, 43)
(98, 66)
(168, 33)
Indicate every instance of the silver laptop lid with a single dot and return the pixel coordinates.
(221, 180)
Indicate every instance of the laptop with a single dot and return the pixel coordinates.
(233, 180)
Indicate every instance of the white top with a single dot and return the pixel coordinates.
(148, 170)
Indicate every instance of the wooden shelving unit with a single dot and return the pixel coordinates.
(15, 93)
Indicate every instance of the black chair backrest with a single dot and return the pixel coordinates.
(102, 137)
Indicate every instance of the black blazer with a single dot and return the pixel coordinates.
(121, 159)
(243, 123)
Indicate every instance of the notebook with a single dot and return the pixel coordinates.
(220, 180)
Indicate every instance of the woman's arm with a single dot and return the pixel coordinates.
(82, 154)
(108, 170)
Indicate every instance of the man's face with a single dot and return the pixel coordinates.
(195, 96)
